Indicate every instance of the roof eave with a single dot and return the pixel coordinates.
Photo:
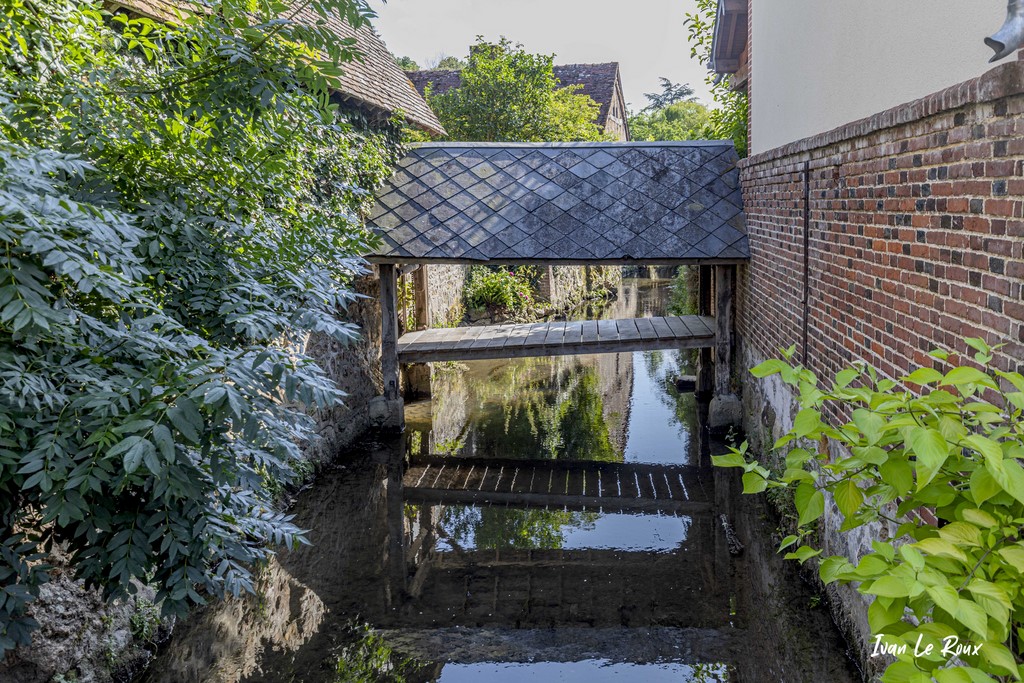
(729, 38)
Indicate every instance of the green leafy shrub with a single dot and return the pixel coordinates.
(954, 448)
(178, 212)
(503, 289)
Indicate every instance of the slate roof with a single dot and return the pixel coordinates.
(598, 81)
(375, 81)
(660, 202)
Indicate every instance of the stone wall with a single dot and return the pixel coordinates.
(355, 367)
(880, 241)
(567, 286)
(446, 284)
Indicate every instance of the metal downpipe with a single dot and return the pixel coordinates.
(1010, 37)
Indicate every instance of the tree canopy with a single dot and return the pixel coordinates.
(669, 95)
(406, 63)
(510, 95)
(685, 120)
(178, 211)
(450, 62)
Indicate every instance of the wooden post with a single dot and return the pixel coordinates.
(389, 330)
(397, 568)
(705, 365)
(420, 285)
(725, 410)
(723, 329)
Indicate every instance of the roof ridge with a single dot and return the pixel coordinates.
(547, 145)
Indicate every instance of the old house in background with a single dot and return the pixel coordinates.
(602, 82)
(884, 191)
(372, 84)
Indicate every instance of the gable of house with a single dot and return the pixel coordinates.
(372, 82)
(602, 82)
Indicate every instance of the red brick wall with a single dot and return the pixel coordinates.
(916, 234)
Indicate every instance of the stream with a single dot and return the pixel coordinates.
(456, 592)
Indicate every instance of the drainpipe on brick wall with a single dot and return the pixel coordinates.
(1010, 37)
(807, 260)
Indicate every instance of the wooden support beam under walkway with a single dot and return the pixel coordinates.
(557, 338)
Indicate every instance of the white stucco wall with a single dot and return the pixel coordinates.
(818, 64)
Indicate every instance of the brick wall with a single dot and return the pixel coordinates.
(880, 241)
(915, 239)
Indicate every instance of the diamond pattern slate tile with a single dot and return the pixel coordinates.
(462, 201)
(566, 201)
(600, 201)
(575, 201)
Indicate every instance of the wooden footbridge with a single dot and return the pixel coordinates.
(664, 203)
(556, 338)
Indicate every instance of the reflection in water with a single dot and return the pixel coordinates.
(491, 528)
(612, 407)
(587, 671)
(495, 528)
(551, 588)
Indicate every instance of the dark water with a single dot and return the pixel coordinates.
(455, 592)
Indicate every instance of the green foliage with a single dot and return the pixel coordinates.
(684, 291)
(678, 121)
(178, 211)
(501, 288)
(728, 119)
(406, 63)
(510, 95)
(452, 63)
(954, 447)
(670, 94)
(144, 621)
(369, 659)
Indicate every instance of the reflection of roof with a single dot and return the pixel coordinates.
(374, 81)
(669, 202)
(598, 81)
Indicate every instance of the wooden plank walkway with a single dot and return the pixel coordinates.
(611, 487)
(557, 338)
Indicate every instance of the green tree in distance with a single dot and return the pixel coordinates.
(669, 95)
(510, 95)
(179, 210)
(407, 63)
(451, 63)
(677, 121)
(672, 114)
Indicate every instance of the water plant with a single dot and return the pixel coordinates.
(941, 467)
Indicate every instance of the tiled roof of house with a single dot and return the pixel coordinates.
(375, 81)
(664, 202)
(598, 81)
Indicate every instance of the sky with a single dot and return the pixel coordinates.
(646, 37)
